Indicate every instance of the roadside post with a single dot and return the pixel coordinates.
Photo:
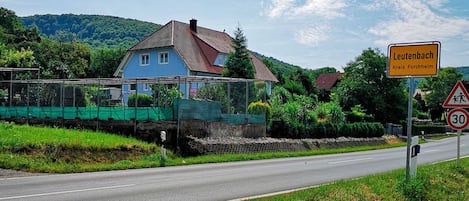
(458, 117)
(163, 140)
(409, 60)
(414, 151)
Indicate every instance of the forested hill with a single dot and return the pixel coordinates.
(97, 31)
(465, 71)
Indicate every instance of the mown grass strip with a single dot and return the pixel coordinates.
(441, 181)
(17, 136)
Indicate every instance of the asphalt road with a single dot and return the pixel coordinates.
(224, 181)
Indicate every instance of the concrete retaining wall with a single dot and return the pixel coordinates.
(235, 145)
(204, 129)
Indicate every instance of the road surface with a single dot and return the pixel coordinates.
(223, 181)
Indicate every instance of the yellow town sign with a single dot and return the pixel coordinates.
(413, 59)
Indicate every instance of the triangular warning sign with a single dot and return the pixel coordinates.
(458, 97)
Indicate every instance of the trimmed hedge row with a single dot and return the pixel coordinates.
(281, 129)
(428, 129)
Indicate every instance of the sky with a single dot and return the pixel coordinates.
(308, 33)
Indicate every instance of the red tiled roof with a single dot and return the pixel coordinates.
(328, 80)
(197, 49)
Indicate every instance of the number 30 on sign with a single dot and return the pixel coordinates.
(458, 118)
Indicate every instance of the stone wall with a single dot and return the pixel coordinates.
(217, 129)
(235, 145)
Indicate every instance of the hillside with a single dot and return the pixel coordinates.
(465, 71)
(99, 31)
(95, 30)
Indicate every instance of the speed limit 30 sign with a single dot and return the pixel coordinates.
(458, 118)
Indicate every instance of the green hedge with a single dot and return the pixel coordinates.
(144, 100)
(428, 129)
(281, 129)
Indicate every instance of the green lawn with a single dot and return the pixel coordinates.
(442, 181)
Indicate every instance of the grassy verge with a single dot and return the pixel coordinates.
(442, 181)
(56, 150)
(440, 137)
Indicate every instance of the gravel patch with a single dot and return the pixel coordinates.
(7, 173)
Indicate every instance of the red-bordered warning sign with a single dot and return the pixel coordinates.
(458, 97)
(458, 118)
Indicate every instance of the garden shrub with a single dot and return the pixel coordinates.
(262, 108)
(281, 129)
(428, 129)
(142, 100)
(423, 115)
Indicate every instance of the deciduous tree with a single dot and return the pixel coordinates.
(438, 89)
(365, 83)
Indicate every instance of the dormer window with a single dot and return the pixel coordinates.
(144, 59)
(220, 60)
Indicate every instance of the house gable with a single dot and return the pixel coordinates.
(328, 81)
(175, 65)
(197, 49)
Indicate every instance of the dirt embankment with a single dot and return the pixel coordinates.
(66, 154)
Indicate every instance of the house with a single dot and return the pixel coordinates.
(328, 81)
(181, 49)
(325, 82)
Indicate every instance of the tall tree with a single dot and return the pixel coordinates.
(104, 61)
(439, 88)
(239, 63)
(61, 60)
(365, 83)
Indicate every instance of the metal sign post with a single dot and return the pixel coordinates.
(409, 60)
(458, 119)
(409, 127)
(459, 148)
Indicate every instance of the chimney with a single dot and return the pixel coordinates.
(193, 25)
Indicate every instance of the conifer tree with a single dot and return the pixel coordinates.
(239, 63)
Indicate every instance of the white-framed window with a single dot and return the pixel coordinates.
(221, 59)
(146, 87)
(163, 58)
(144, 59)
(132, 87)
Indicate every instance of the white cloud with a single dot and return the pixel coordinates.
(312, 35)
(436, 3)
(297, 11)
(375, 5)
(278, 8)
(328, 9)
(414, 21)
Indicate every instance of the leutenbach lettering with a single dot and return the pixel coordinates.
(413, 56)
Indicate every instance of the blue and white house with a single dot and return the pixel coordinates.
(181, 49)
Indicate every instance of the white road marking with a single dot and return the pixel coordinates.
(429, 151)
(273, 194)
(349, 161)
(451, 159)
(64, 192)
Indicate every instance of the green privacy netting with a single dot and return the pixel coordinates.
(211, 111)
(189, 110)
(102, 113)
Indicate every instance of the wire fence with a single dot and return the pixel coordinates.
(154, 99)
